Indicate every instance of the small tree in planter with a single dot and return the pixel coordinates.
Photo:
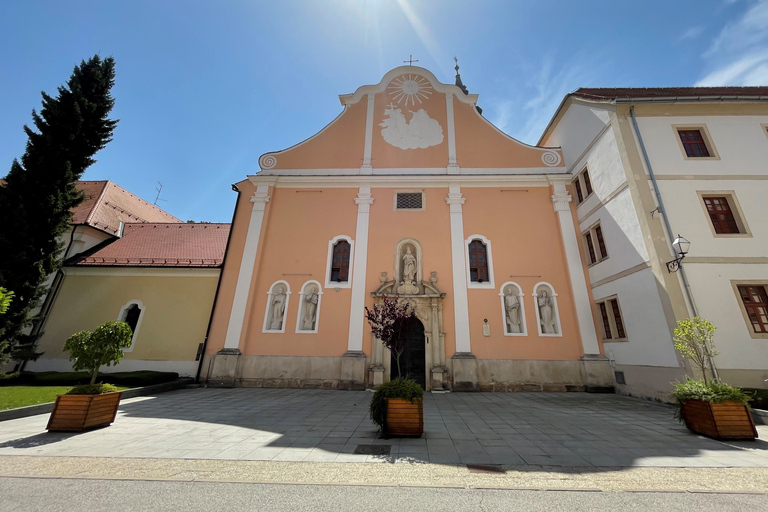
(396, 406)
(92, 405)
(709, 407)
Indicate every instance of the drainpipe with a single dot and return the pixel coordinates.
(670, 233)
(218, 285)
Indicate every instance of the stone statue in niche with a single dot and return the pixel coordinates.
(408, 284)
(546, 313)
(310, 309)
(278, 309)
(512, 308)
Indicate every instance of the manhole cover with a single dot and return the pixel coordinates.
(479, 468)
(372, 449)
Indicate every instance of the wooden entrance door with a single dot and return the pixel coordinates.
(412, 360)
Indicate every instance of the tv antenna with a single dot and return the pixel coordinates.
(159, 189)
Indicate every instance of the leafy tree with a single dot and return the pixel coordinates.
(89, 350)
(39, 194)
(5, 300)
(388, 323)
(694, 339)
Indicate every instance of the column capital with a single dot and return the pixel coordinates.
(259, 200)
(560, 200)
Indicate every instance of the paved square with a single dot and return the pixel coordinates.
(553, 429)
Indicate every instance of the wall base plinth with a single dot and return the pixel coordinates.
(224, 369)
(465, 372)
(352, 371)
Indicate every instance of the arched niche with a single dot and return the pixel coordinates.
(513, 309)
(408, 259)
(308, 318)
(547, 311)
(277, 307)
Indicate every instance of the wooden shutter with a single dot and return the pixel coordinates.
(340, 263)
(721, 215)
(694, 144)
(756, 303)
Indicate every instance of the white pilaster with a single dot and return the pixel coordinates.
(453, 166)
(237, 316)
(360, 263)
(460, 301)
(367, 168)
(561, 200)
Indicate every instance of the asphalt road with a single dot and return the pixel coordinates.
(52, 495)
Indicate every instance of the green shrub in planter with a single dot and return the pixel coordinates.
(398, 388)
(104, 346)
(712, 391)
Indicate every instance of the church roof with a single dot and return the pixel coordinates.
(666, 93)
(107, 204)
(160, 244)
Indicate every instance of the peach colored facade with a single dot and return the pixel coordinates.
(281, 319)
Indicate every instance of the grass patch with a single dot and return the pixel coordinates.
(12, 397)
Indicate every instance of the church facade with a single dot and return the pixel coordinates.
(408, 192)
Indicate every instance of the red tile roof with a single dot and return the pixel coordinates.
(106, 205)
(161, 245)
(614, 93)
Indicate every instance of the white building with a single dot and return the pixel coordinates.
(707, 151)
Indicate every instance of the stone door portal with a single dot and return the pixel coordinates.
(413, 358)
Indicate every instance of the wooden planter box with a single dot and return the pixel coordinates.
(76, 413)
(405, 418)
(726, 420)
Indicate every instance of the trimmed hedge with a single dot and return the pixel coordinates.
(92, 389)
(125, 379)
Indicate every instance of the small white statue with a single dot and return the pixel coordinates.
(278, 309)
(546, 313)
(409, 266)
(512, 307)
(310, 309)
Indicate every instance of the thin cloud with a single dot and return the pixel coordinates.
(739, 54)
(692, 33)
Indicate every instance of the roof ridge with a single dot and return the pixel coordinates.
(97, 202)
(146, 202)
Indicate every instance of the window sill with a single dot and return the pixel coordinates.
(597, 262)
(732, 235)
(618, 340)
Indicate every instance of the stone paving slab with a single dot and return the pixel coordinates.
(562, 430)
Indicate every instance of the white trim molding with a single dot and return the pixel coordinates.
(120, 318)
(302, 305)
(455, 201)
(471, 284)
(357, 307)
(521, 301)
(561, 203)
(329, 262)
(269, 306)
(247, 263)
(555, 313)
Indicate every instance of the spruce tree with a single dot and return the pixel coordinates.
(40, 192)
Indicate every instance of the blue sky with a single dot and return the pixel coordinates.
(204, 88)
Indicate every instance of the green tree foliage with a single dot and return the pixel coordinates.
(694, 339)
(36, 201)
(104, 346)
(5, 300)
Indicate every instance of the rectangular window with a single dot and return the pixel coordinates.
(755, 301)
(694, 143)
(721, 215)
(583, 186)
(409, 201)
(611, 319)
(595, 244)
(587, 183)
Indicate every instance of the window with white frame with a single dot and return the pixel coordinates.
(611, 321)
(308, 318)
(753, 301)
(132, 314)
(513, 309)
(547, 312)
(695, 142)
(479, 262)
(594, 244)
(583, 186)
(339, 263)
(277, 307)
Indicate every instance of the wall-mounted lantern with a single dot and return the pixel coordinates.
(681, 246)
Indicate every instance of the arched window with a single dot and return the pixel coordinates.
(478, 262)
(340, 262)
(132, 313)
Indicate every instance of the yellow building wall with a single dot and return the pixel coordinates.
(177, 310)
